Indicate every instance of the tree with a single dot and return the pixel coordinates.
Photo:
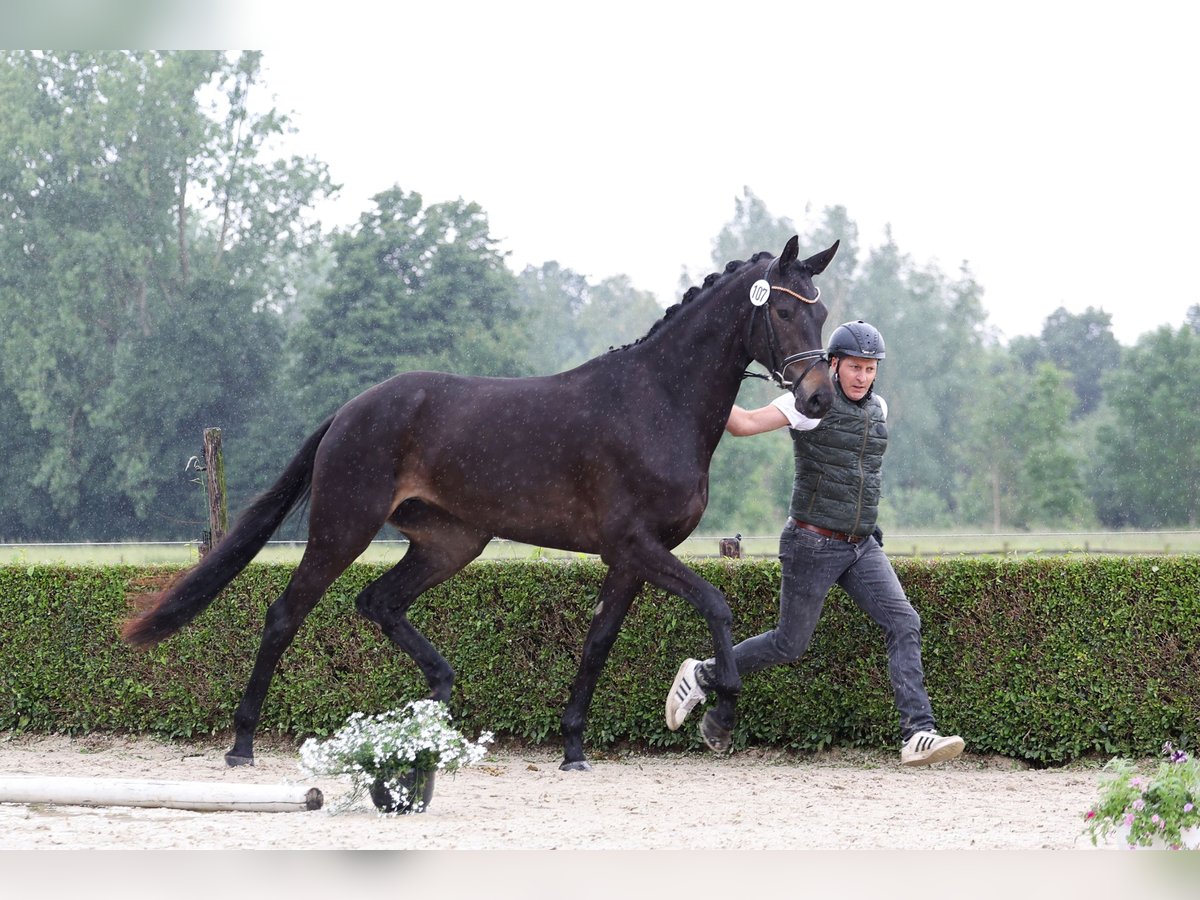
(413, 287)
(933, 330)
(550, 298)
(616, 313)
(574, 321)
(1082, 345)
(1051, 479)
(133, 188)
(1146, 472)
(1024, 457)
(753, 228)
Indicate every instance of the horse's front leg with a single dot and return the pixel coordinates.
(660, 567)
(616, 594)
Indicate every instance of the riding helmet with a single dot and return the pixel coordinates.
(856, 339)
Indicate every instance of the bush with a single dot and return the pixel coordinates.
(1046, 660)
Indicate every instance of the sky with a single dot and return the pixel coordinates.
(1049, 147)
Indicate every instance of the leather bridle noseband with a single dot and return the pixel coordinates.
(778, 372)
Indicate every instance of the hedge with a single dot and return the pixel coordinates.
(1045, 659)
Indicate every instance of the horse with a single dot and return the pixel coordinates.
(609, 458)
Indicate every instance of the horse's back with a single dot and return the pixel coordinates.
(541, 459)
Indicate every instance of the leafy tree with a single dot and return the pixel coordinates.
(135, 197)
(1147, 464)
(838, 280)
(1082, 345)
(616, 313)
(1024, 455)
(414, 287)
(574, 321)
(933, 329)
(28, 513)
(754, 228)
(550, 298)
(1052, 480)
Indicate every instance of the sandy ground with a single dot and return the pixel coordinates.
(845, 825)
(518, 799)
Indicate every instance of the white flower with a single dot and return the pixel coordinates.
(418, 736)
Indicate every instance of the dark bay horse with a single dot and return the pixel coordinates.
(609, 458)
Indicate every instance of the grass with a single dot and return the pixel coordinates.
(922, 545)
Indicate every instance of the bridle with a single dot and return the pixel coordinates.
(763, 288)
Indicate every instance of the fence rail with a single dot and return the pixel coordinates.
(913, 544)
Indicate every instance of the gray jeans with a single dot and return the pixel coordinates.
(811, 565)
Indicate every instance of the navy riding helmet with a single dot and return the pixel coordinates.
(856, 339)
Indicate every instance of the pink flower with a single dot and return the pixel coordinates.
(1135, 782)
(1091, 813)
(1139, 803)
(1129, 818)
(1154, 818)
(1187, 807)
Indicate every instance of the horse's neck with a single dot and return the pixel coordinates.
(697, 358)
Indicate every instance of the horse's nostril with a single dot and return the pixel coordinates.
(818, 404)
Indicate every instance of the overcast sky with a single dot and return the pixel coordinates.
(1051, 146)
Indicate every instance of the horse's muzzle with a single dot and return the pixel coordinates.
(815, 400)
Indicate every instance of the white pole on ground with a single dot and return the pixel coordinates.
(202, 796)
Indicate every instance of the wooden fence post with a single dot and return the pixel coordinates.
(214, 468)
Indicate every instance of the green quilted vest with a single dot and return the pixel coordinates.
(838, 466)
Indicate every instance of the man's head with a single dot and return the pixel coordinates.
(854, 351)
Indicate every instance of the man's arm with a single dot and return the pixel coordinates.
(745, 422)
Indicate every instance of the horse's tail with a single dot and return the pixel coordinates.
(166, 612)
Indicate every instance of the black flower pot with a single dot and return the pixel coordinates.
(419, 787)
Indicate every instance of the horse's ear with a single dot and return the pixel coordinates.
(790, 252)
(816, 263)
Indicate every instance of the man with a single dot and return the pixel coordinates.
(831, 538)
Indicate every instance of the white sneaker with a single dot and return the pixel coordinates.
(926, 747)
(685, 694)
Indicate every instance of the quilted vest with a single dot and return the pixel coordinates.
(838, 466)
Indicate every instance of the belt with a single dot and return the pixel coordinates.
(825, 532)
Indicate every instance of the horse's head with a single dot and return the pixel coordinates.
(785, 327)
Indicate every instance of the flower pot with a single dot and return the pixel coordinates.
(1189, 840)
(415, 796)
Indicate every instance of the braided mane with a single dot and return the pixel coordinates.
(693, 292)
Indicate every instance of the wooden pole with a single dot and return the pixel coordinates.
(214, 467)
(201, 796)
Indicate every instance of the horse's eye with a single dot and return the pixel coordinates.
(784, 313)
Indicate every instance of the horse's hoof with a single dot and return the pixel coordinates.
(716, 738)
(576, 765)
(232, 759)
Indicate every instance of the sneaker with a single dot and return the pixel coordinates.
(926, 747)
(685, 694)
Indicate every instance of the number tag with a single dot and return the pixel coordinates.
(760, 291)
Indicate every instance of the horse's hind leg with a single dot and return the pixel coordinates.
(616, 594)
(330, 550)
(440, 545)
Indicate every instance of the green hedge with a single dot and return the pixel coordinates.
(1046, 660)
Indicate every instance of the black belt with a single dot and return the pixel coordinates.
(825, 532)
